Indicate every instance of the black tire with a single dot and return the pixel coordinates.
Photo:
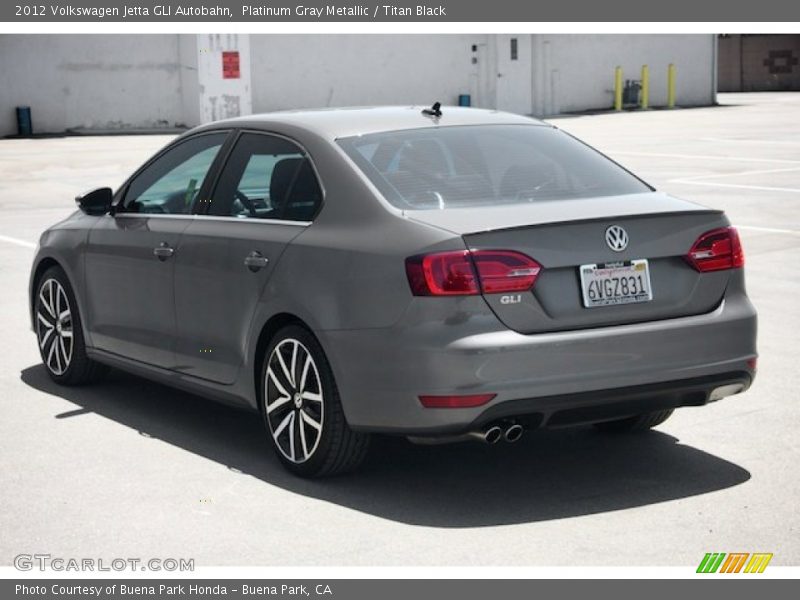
(635, 424)
(336, 448)
(80, 369)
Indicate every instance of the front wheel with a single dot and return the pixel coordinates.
(60, 333)
(302, 412)
(636, 423)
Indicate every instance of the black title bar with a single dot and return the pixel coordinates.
(474, 11)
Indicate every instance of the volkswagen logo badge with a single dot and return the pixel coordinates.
(616, 238)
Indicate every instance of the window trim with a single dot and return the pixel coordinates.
(122, 192)
(225, 153)
(209, 218)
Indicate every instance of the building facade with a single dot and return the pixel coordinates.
(759, 63)
(146, 82)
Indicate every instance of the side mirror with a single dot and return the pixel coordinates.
(96, 202)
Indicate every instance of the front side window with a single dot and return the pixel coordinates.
(171, 184)
(267, 177)
(485, 165)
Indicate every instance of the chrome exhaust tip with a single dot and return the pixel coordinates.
(723, 391)
(492, 435)
(513, 433)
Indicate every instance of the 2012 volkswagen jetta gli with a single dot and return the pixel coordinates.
(439, 273)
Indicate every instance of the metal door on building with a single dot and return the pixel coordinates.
(759, 63)
(501, 73)
(513, 73)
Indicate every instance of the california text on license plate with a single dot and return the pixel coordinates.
(610, 284)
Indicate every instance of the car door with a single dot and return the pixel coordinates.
(130, 253)
(266, 194)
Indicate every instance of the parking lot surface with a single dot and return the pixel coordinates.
(128, 468)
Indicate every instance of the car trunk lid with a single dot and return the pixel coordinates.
(564, 236)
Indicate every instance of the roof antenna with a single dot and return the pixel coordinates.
(433, 111)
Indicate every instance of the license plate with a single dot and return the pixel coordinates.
(611, 284)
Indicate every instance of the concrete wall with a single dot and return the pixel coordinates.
(759, 63)
(301, 71)
(161, 81)
(90, 81)
(553, 73)
(584, 69)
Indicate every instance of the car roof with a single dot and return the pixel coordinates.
(335, 123)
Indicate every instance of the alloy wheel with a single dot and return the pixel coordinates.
(293, 400)
(54, 326)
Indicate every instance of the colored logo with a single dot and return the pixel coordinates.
(734, 562)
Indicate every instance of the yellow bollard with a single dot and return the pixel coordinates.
(618, 88)
(671, 86)
(645, 99)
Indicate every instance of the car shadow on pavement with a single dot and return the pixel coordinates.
(547, 475)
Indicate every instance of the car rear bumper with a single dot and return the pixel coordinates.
(602, 405)
(550, 379)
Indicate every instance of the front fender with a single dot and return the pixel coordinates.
(63, 245)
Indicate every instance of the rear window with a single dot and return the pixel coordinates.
(485, 165)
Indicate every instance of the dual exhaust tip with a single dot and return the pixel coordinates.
(510, 432)
(495, 433)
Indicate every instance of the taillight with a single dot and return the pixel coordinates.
(716, 250)
(442, 274)
(502, 271)
(470, 272)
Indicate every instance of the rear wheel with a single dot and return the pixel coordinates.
(60, 333)
(302, 411)
(641, 422)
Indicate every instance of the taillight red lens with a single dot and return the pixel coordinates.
(455, 401)
(442, 274)
(717, 250)
(466, 273)
(501, 271)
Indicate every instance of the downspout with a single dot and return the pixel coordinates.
(714, 67)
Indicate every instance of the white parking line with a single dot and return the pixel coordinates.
(739, 174)
(703, 157)
(769, 229)
(740, 141)
(699, 180)
(18, 242)
(736, 185)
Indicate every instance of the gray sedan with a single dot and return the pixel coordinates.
(442, 274)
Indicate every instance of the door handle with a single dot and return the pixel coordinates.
(255, 261)
(163, 251)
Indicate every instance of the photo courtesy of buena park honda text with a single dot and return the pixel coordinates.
(415, 300)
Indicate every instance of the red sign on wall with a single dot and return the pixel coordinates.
(230, 65)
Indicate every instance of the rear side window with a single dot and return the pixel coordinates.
(485, 165)
(267, 177)
(171, 183)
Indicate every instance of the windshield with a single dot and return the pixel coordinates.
(485, 165)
